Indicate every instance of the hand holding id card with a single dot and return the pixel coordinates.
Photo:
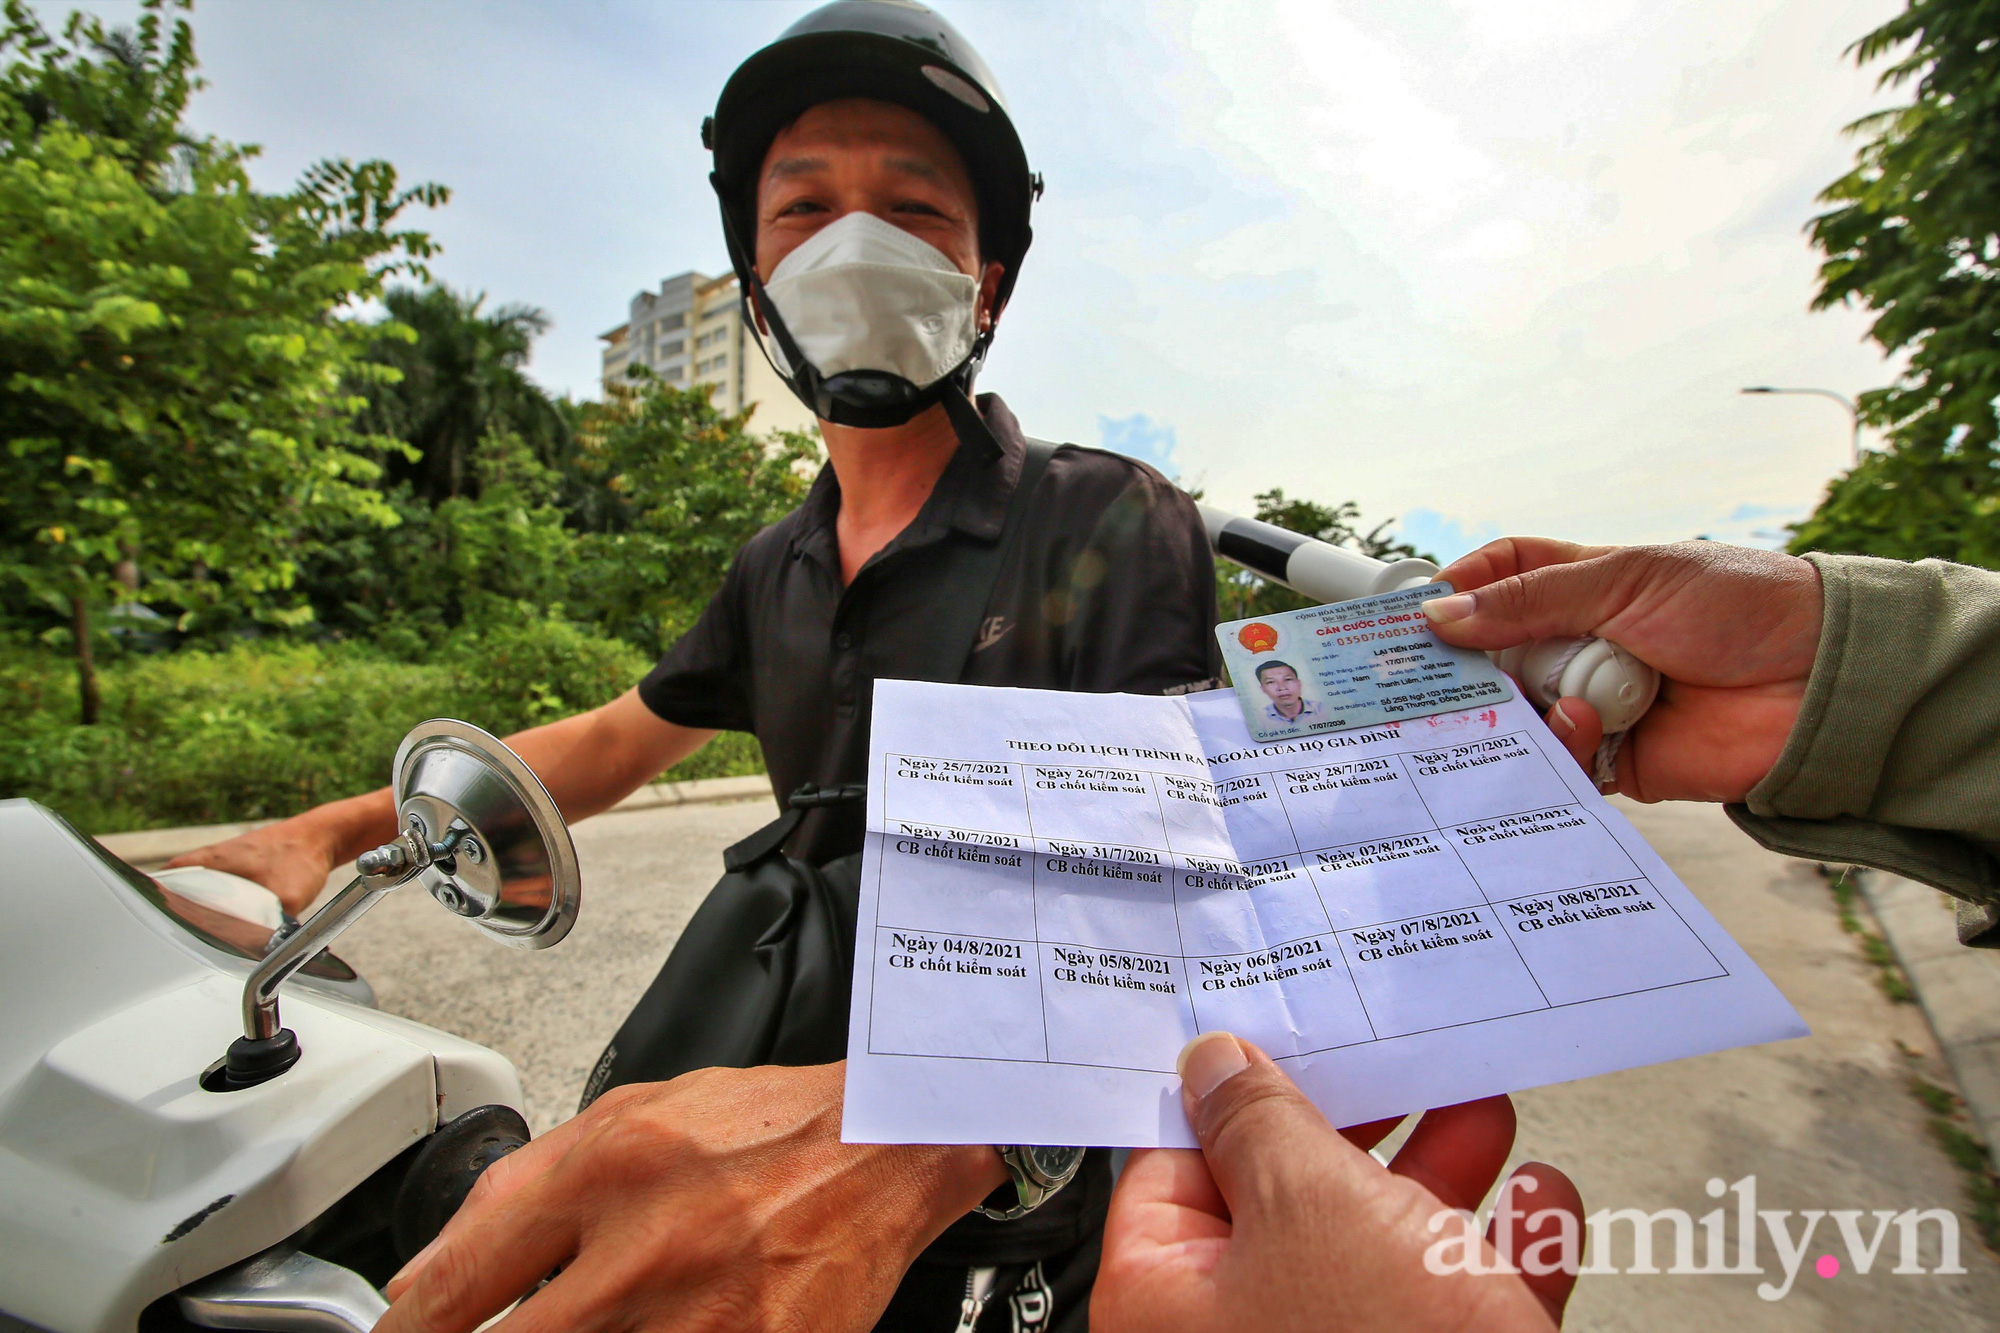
(1352, 664)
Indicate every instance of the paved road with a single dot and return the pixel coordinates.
(1823, 1123)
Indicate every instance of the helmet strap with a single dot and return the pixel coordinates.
(966, 422)
(805, 379)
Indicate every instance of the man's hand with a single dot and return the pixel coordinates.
(723, 1200)
(1281, 1222)
(1732, 632)
(291, 858)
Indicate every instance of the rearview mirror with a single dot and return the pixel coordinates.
(479, 831)
(501, 856)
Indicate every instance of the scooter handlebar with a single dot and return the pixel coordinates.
(1618, 685)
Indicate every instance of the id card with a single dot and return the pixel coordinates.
(1352, 664)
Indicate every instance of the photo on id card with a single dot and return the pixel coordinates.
(1352, 664)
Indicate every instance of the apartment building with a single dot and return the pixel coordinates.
(691, 332)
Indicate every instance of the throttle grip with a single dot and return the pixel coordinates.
(1618, 685)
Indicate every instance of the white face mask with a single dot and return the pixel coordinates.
(862, 294)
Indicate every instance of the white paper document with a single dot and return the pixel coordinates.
(1060, 890)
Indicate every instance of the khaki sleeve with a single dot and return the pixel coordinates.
(1894, 761)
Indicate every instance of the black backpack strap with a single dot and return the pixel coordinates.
(1034, 462)
(971, 590)
(975, 569)
(772, 836)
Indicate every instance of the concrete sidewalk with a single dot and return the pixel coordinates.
(147, 848)
(1827, 1122)
(1959, 988)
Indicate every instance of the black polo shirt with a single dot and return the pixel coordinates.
(1111, 588)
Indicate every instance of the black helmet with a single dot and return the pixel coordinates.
(889, 51)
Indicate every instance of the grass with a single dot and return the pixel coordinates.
(1888, 973)
(1947, 1124)
(263, 730)
(1948, 1127)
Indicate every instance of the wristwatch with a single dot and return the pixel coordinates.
(1037, 1172)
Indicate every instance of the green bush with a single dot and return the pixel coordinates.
(266, 729)
(514, 676)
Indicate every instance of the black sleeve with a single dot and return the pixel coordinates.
(1140, 596)
(704, 679)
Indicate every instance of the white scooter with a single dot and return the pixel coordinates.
(157, 1175)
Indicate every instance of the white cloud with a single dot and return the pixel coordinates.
(1502, 260)
(1139, 436)
(1445, 539)
(1515, 281)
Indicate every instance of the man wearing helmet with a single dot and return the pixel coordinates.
(875, 199)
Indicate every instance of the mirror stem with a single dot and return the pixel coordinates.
(385, 868)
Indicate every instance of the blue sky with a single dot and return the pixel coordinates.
(1139, 436)
(1483, 266)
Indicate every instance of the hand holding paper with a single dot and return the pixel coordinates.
(1281, 1222)
(1060, 890)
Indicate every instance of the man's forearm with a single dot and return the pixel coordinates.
(1898, 717)
(950, 1182)
(350, 827)
(588, 762)
(921, 1188)
(594, 760)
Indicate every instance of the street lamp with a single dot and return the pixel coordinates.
(1853, 412)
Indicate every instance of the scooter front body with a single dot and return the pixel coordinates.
(123, 1178)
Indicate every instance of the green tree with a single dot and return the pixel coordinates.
(499, 555)
(1241, 594)
(450, 387)
(176, 405)
(680, 486)
(460, 379)
(627, 535)
(1914, 237)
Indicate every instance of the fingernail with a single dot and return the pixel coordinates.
(1444, 610)
(422, 1256)
(1562, 716)
(1209, 1061)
